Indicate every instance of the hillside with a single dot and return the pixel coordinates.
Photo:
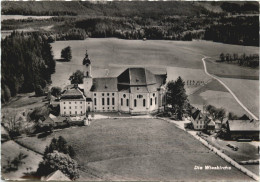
(145, 9)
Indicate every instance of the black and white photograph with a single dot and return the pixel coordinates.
(130, 90)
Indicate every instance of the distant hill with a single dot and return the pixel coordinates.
(133, 8)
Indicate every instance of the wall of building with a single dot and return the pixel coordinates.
(73, 107)
(198, 124)
(124, 102)
(103, 101)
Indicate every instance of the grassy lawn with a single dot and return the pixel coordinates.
(9, 150)
(139, 149)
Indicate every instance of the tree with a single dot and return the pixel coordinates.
(56, 91)
(220, 114)
(77, 77)
(66, 53)
(232, 116)
(58, 161)
(59, 145)
(38, 90)
(176, 96)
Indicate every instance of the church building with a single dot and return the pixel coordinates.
(134, 91)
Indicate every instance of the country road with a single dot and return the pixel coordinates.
(229, 90)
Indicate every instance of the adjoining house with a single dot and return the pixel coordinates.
(55, 176)
(243, 129)
(134, 91)
(200, 121)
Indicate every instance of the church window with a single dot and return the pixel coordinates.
(151, 101)
(127, 102)
(80, 112)
(107, 94)
(64, 107)
(154, 94)
(135, 104)
(103, 101)
(144, 102)
(80, 107)
(70, 112)
(75, 112)
(95, 101)
(124, 95)
(69, 102)
(108, 101)
(64, 112)
(95, 94)
(155, 100)
(63, 102)
(121, 101)
(113, 101)
(108, 108)
(103, 94)
(75, 102)
(70, 107)
(80, 102)
(113, 94)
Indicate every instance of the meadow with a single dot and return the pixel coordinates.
(139, 149)
(110, 56)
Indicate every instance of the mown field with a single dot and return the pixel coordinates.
(111, 56)
(10, 150)
(139, 149)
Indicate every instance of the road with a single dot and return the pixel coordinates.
(230, 91)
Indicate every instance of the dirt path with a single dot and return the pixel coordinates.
(229, 90)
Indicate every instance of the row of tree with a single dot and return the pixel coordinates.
(251, 60)
(27, 64)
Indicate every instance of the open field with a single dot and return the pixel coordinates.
(247, 91)
(111, 56)
(213, 93)
(9, 150)
(139, 149)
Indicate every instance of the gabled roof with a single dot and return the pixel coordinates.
(106, 84)
(243, 125)
(56, 176)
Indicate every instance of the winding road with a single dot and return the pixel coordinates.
(230, 91)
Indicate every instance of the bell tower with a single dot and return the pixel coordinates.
(87, 81)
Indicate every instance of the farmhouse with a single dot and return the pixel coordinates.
(201, 121)
(134, 91)
(243, 129)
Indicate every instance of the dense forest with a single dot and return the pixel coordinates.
(227, 22)
(27, 63)
(251, 60)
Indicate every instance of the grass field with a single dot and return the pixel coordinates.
(110, 56)
(139, 149)
(9, 150)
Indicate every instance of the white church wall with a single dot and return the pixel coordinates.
(105, 101)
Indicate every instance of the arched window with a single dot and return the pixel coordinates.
(151, 101)
(144, 102)
(87, 73)
(121, 101)
(155, 100)
(135, 104)
(127, 102)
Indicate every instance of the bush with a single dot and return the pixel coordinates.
(66, 53)
(56, 91)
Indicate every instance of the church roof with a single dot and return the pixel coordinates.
(136, 77)
(106, 84)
